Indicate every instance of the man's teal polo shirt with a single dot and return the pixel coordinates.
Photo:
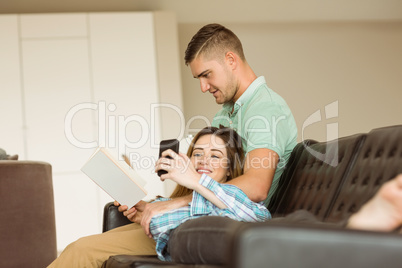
(263, 120)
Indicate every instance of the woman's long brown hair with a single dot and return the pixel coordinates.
(234, 150)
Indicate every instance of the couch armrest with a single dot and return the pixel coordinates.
(206, 240)
(282, 245)
(112, 218)
(27, 225)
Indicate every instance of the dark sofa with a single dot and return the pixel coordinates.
(331, 180)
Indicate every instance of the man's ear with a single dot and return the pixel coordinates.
(231, 59)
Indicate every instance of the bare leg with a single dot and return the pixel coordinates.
(384, 211)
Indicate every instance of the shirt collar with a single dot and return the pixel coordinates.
(245, 97)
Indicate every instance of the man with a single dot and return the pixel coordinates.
(263, 119)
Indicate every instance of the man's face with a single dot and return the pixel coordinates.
(216, 78)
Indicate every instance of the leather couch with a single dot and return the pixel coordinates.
(27, 225)
(331, 180)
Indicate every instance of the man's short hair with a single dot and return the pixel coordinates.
(213, 40)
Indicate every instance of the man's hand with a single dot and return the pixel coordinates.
(151, 209)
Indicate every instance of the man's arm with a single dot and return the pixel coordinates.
(152, 209)
(259, 171)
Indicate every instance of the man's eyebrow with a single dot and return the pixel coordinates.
(201, 74)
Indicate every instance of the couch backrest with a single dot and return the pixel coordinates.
(332, 190)
(311, 183)
(379, 159)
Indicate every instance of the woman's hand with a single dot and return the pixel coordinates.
(179, 169)
(134, 214)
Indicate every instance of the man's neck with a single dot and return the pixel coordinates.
(246, 77)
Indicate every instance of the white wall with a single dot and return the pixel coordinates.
(226, 11)
(75, 81)
(11, 112)
(313, 64)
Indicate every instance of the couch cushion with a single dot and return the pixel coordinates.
(287, 175)
(379, 160)
(315, 180)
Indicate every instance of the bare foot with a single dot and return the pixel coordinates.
(383, 212)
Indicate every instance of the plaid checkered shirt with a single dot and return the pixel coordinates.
(239, 207)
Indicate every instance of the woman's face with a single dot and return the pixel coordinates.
(209, 156)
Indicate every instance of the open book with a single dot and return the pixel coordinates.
(115, 177)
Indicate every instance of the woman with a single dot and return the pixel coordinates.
(215, 156)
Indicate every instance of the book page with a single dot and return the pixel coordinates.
(116, 178)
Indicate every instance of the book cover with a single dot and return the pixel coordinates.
(115, 177)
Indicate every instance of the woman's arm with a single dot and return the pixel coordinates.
(238, 205)
(209, 195)
(224, 196)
